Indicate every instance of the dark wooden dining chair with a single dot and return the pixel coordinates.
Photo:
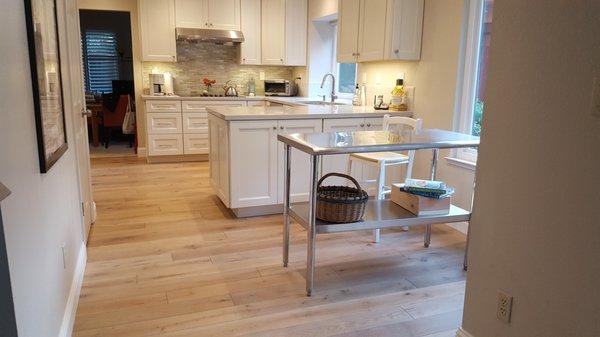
(114, 119)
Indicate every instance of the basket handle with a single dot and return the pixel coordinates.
(341, 175)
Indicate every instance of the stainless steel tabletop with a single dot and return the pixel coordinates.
(377, 141)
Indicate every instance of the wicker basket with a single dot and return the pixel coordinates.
(340, 204)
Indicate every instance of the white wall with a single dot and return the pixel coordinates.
(43, 211)
(536, 222)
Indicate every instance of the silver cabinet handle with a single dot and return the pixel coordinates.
(396, 51)
(368, 125)
(281, 127)
(362, 125)
(274, 128)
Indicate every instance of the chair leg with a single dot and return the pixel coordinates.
(106, 137)
(380, 196)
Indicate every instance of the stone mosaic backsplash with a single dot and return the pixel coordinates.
(196, 61)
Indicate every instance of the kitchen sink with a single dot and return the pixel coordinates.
(321, 103)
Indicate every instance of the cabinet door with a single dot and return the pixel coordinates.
(157, 30)
(195, 143)
(404, 29)
(296, 20)
(250, 48)
(191, 13)
(165, 145)
(339, 163)
(224, 14)
(371, 37)
(163, 123)
(219, 158)
(347, 34)
(195, 122)
(300, 181)
(273, 32)
(253, 163)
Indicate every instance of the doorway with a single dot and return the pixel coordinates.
(109, 82)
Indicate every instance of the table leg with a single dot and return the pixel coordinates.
(286, 205)
(434, 160)
(312, 228)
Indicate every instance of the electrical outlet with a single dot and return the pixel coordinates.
(261, 75)
(504, 306)
(596, 97)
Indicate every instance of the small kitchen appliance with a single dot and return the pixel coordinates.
(161, 84)
(280, 87)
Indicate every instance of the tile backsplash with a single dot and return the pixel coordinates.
(196, 61)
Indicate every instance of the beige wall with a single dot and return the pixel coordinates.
(536, 221)
(43, 212)
(435, 80)
(131, 7)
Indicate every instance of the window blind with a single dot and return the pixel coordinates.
(101, 60)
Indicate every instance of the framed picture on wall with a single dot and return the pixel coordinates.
(44, 59)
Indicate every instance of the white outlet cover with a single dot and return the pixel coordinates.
(261, 75)
(596, 97)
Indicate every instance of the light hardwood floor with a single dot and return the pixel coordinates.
(165, 258)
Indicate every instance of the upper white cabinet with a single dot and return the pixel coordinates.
(208, 14)
(405, 29)
(296, 30)
(373, 30)
(284, 31)
(251, 27)
(157, 30)
(273, 32)
(348, 27)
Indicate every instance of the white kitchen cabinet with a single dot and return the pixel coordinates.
(371, 36)
(163, 122)
(253, 163)
(256, 103)
(195, 143)
(195, 122)
(219, 158)
(273, 32)
(251, 27)
(163, 106)
(191, 13)
(300, 182)
(348, 27)
(165, 145)
(296, 30)
(157, 30)
(208, 14)
(404, 29)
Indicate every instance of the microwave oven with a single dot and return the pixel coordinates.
(280, 88)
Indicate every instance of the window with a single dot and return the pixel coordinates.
(475, 72)
(101, 60)
(345, 73)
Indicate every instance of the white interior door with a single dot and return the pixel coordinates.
(73, 86)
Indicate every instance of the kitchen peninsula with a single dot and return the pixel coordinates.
(246, 160)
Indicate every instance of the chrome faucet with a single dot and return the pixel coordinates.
(333, 95)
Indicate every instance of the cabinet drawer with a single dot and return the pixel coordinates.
(163, 123)
(200, 106)
(256, 103)
(163, 106)
(195, 122)
(164, 145)
(195, 144)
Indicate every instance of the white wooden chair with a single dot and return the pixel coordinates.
(383, 160)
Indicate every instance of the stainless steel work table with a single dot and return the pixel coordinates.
(378, 213)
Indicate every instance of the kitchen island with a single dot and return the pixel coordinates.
(246, 160)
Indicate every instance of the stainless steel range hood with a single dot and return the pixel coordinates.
(209, 35)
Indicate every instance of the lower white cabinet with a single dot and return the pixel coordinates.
(163, 123)
(253, 166)
(195, 143)
(219, 158)
(300, 182)
(165, 145)
(195, 122)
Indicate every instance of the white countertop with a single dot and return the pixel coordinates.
(275, 99)
(298, 112)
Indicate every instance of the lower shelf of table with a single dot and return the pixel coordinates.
(379, 214)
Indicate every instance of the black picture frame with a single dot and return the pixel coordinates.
(46, 81)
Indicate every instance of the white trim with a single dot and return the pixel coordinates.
(462, 333)
(142, 152)
(66, 328)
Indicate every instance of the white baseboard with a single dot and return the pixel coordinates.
(462, 333)
(142, 152)
(66, 328)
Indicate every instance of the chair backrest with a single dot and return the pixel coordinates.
(115, 118)
(415, 123)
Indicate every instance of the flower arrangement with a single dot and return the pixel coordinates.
(208, 85)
